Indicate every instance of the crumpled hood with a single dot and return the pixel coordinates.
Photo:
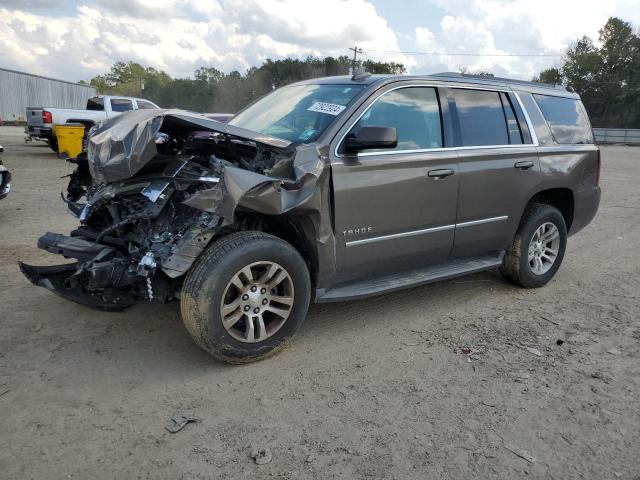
(297, 180)
(119, 147)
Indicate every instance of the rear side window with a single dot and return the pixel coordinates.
(121, 105)
(566, 119)
(415, 114)
(142, 105)
(482, 118)
(96, 103)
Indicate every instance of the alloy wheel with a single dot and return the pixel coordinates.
(544, 248)
(257, 302)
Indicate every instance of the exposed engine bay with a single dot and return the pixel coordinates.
(154, 188)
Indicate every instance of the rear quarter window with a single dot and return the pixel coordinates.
(566, 118)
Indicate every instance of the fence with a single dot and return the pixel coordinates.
(617, 135)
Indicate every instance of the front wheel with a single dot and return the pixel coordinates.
(246, 296)
(536, 252)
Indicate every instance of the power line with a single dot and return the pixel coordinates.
(457, 54)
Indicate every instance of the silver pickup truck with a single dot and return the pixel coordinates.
(40, 120)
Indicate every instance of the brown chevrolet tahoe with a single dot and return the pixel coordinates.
(330, 189)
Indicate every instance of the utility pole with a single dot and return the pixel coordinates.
(356, 51)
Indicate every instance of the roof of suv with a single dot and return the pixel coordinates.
(453, 77)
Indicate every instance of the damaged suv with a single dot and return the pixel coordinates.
(329, 189)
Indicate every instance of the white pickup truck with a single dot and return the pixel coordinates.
(40, 120)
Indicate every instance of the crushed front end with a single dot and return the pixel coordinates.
(155, 188)
(136, 236)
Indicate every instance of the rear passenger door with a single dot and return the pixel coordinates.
(498, 165)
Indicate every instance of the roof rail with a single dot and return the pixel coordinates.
(487, 78)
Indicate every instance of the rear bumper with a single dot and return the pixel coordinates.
(585, 207)
(40, 132)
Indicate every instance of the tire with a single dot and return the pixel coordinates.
(517, 265)
(53, 143)
(208, 287)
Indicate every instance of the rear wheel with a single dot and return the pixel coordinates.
(53, 143)
(536, 252)
(245, 297)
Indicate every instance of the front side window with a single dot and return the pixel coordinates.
(297, 113)
(566, 119)
(121, 105)
(482, 118)
(413, 111)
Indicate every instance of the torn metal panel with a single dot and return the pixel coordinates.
(302, 190)
(121, 146)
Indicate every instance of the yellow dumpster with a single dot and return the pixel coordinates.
(70, 138)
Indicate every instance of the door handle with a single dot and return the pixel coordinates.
(440, 173)
(526, 165)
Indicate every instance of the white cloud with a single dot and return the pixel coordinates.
(493, 27)
(180, 36)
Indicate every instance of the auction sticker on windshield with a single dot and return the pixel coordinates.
(330, 108)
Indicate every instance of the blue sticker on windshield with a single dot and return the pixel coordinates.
(307, 134)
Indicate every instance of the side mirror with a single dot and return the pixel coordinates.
(1, 149)
(371, 137)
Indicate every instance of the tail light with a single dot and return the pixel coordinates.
(46, 117)
(598, 165)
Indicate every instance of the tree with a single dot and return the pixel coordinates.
(209, 75)
(619, 72)
(392, 68)
(211, 90)
(477, 73)
(607, 77)
(552, 76)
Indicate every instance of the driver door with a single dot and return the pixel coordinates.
(395, 209)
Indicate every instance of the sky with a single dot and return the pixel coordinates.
(76, 40)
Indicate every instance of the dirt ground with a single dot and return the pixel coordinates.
(370, 389)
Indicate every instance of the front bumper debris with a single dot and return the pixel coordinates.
(55, 278)
(101, 277)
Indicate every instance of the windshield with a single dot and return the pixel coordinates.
(299, 113)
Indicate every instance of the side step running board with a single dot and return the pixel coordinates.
(391, 283)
